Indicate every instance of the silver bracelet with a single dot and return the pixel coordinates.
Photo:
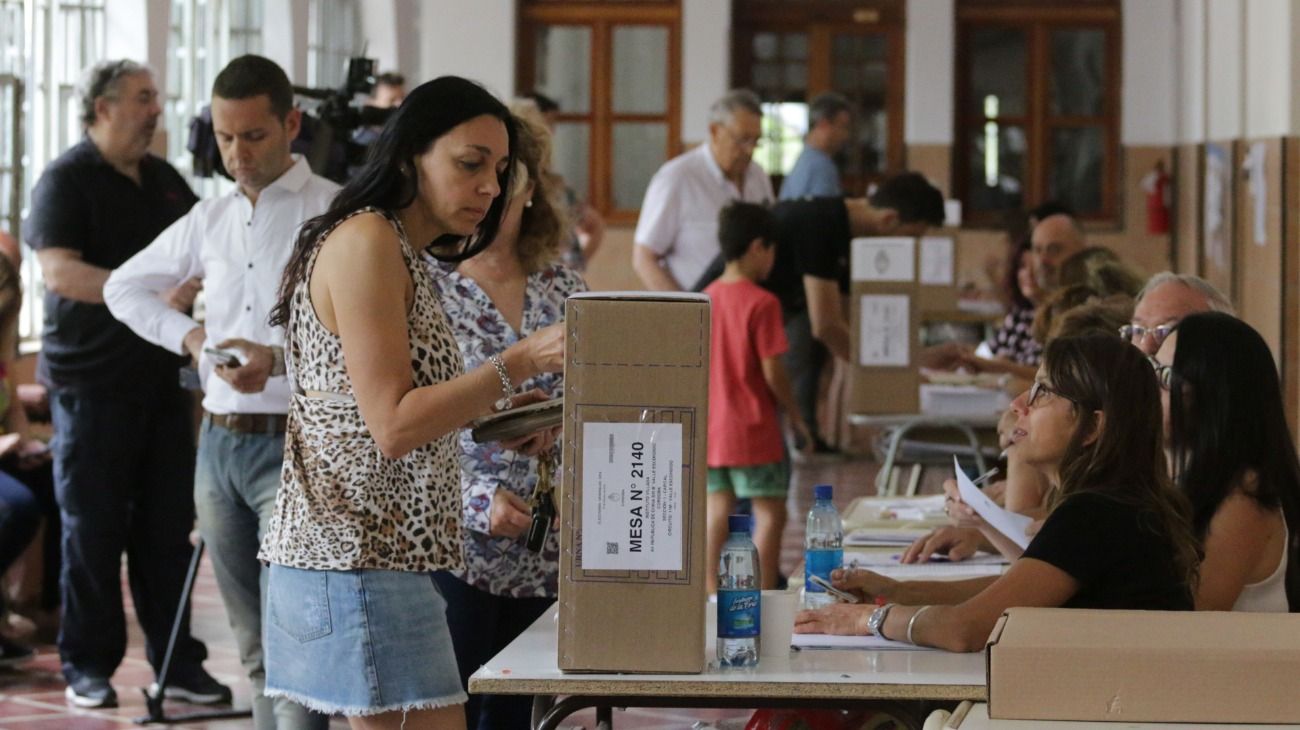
(912, 621)
(507, 388)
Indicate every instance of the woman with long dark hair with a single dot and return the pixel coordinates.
(1117, 534)
(1235, 460)
(369, 504)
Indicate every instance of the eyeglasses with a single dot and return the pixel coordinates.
(1135, 332)
(1038, 389)
(1164, 373)
(742, 141)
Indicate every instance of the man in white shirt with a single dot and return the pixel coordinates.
(238, 245)
(677, 234)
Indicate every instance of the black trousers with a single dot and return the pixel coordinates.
(124, 480)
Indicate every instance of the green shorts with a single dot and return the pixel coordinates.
(748, 482)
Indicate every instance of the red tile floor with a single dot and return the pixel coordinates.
(31, 697)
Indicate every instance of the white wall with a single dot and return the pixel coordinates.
(1189, 29)
(380, 31)
(1149, 92)
(131, 26)
(287, 45)
(1268, 68)
(470, 38)
(1224, 67)
(929, 88)
(706, 62)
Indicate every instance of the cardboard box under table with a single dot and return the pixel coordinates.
(1144, 666)
(632, 501)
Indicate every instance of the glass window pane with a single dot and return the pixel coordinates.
(563, 66)
(784, 126)
(641, 147)
(997, 57)
(640, 69)
(570, 154)
(766, 46)
(996, 168)
(1078, 80)
(794, 46)
(766, 76)
(796, 79)
(1075, 177)
(860, 71)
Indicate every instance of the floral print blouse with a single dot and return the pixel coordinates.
(502, 566)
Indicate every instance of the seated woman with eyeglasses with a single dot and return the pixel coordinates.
(1117, 535)
(1235, 461)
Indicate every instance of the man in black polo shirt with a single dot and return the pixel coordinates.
(811, 273)
(123, 432)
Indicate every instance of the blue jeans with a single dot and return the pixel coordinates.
(124, 480)
(235, 481)
(482, 624)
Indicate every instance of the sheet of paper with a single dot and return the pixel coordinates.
(936, 260)
(884, 334)
(1008, 523)
(883, 559)
(632, 496)
(1255, 167)
(883, 259)
(828, 641)
(883, 536)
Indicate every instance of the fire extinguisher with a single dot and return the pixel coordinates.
(1156, 185)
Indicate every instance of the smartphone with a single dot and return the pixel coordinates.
(826, 586)
(223, 357)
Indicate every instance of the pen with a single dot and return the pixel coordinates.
(985, 476)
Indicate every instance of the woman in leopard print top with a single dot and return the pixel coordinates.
(370, 499)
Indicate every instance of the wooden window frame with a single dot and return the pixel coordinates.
(820, 19)
(602, 18)
(1038, 19)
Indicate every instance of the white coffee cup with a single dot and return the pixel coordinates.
(777, 622)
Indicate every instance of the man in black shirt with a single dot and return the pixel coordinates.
(123, 431)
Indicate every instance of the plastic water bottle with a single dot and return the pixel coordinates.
(823, 546)
(739, 597)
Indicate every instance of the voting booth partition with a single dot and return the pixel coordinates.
(897, 284)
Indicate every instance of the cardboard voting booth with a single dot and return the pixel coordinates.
(896, 285)
(634, 478)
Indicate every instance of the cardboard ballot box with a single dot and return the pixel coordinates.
(632, 550)
(1144, 666)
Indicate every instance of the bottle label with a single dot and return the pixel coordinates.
(738, 614)
(820, 563)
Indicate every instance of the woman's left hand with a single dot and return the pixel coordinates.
(842, 619)
(534, 443)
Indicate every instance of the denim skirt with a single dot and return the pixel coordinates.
(358, 642)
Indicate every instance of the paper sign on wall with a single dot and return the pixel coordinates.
(884, 334)
(883, 259)
(632, 496)
(936, 260)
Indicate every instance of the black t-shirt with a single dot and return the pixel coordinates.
(812, 237)
(1114, 552)
(82, 203)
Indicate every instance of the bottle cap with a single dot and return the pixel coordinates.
(738, 523)
(823, 491)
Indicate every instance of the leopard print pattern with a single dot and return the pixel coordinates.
(342, 504)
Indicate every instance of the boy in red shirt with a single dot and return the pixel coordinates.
(747, 383)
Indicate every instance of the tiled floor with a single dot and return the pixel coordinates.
(31, 698)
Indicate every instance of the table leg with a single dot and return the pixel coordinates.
(604, 718)
(541, 705)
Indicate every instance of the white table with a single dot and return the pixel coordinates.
(978, 719)
(901, 424)
(810, 678)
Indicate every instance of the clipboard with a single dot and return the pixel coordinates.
(516, 422)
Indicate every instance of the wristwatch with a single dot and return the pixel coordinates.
(877, 619)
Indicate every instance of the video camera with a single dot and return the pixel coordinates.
(333, 128)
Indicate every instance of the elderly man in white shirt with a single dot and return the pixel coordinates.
(677, 234)
(237, 244)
